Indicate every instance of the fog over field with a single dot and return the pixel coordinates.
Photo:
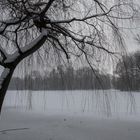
(70, 115)
(70, 70)
(97, 103)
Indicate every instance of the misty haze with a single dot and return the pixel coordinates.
(69, 70)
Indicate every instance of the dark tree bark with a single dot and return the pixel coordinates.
(12, 65)
(4, 86)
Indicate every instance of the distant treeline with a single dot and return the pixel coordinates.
(128, 73)
(62, 79)
(126, 77)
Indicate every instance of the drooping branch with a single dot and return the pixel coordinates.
(85, 30)
(12, 61)
(26, 50)
(83, 40)
(47, 7)
(61, 46)
(87, 17)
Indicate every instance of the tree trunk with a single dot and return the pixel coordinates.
(6, 76)
(4, 86)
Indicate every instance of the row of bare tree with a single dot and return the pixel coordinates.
(63, 79)
(128, 72)
(126, 77)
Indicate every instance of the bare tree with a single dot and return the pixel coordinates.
(74, 27)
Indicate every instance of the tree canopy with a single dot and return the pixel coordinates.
(78, 28)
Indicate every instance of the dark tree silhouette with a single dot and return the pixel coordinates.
(128, 72)
(74, 27)
(63, 78)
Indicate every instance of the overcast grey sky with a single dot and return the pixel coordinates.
(129, 34)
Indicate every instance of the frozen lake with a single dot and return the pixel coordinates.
(70, 115)
(108, 103)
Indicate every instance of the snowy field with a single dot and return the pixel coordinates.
(70, 115)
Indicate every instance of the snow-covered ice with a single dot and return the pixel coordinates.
(71, 115)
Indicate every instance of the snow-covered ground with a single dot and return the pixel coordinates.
(70, 115)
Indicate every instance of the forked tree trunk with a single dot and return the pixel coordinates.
(4, 86)
(7, 75)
